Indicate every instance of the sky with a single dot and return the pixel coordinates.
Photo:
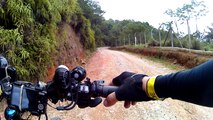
(152, 11)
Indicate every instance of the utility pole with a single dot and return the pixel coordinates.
(152, 34)
(135, 40)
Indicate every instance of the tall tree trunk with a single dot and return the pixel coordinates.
(145, 38)
(196, 24)
(189, 33)
(172, 38)
(178, 34)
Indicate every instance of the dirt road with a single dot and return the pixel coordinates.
(106, 64)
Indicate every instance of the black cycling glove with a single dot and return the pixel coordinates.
(130, 87)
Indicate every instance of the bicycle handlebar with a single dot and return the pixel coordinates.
(102, 90)
(66, 85)
(108, 90)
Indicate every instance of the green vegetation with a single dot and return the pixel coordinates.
(165, 62)
(183, 57)
(130, 32)
(28, 31)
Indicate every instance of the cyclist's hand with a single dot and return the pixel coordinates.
(130, 90)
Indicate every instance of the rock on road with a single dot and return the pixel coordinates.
(106, 64)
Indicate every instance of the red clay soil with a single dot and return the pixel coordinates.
(106, 64)
(69, 50)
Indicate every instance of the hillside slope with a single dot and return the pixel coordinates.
(29, 31)
(69, 52)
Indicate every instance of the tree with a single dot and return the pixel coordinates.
(93, 12)
(187, 12)
(200, 10)
(209, 36)
(124, 32)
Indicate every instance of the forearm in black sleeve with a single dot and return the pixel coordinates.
(194, 85)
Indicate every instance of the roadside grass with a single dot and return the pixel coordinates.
(182, 57)
(166, 62)
(163, 61)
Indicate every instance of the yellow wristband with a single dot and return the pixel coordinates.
(0, 91)
(151, 88)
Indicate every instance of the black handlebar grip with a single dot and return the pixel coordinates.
(107, 90)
